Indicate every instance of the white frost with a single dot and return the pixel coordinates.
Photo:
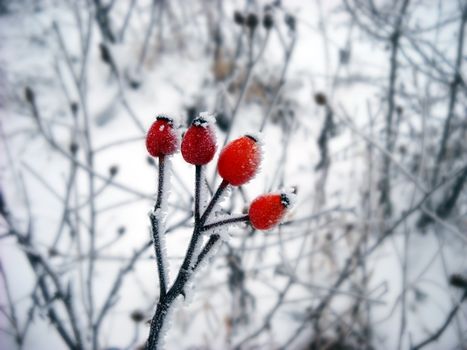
(205, 119)
(168, 323)
(218, 206)
(208, 257)
(291, 197)
(203, 192)
(161, 214)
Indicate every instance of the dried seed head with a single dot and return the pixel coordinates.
(458, 281)
(251, 21)
(239, 18)
(134, 84)
(74, 108)
(52, 252)
(113, 170)
(137, 316)
(121, 230)
(268, 21)
(290, 22)
(320, 99)
(74, 147)
(105, 53)
(29, 94)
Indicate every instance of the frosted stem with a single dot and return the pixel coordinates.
(187, 263)
(186, 270)
(235, 220)
(157, 324)
(197, 193)
(213, 201)
(156, 217)
(207, 248)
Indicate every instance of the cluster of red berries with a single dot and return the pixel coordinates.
(238, 162)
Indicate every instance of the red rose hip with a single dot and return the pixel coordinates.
(199, 141)
(239, 160)
(267, 211)
(162, 139)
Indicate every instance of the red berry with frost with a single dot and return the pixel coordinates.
(267, 211)
(239, 160)
(199, 142)
(162, 139)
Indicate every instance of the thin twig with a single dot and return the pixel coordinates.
(443, 327)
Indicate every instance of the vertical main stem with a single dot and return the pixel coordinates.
(160, 184)
(157, 323)
(185, 268)
(197, 193)
(166, 299)
(162, 307)
(155, 228)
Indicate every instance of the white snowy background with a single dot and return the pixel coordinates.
(177, 73)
